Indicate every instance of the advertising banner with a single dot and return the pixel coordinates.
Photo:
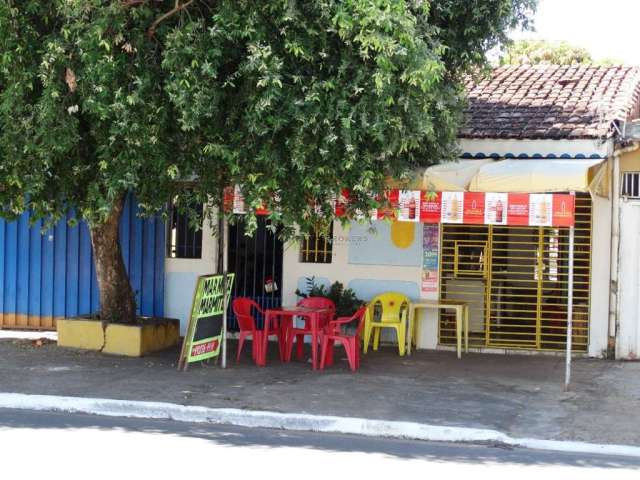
(430, 257)
(491, 208)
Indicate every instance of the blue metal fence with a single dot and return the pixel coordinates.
(52, 275)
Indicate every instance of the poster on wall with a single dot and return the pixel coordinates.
(540, 209)
(564, 210)
(409, 206)
(490, 208)
(518, 209)
(238, 201)
(474, 208)
(495, 208)
(452, 207)
(430, 260)
(430, 207)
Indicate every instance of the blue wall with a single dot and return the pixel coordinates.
(43, 277)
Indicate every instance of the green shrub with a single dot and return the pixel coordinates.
(345, 299)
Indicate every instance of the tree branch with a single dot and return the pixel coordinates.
(177, 8)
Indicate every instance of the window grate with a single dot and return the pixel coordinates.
(631, 185)
(184, 241)
(317, 247)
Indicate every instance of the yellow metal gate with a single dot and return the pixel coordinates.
(515, 281)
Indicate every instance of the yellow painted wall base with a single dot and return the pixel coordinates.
(85, 334)
(119, 339)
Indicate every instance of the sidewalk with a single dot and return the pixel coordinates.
(519, 395)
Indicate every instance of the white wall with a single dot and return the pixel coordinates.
(341, 270)
(628, 333)
(600, 277)
(181, 275)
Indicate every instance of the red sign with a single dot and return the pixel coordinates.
(430, 207)
(477, 208)
(564, 210)
(341, 203)
(204, 348)
(389, 210)
(473, 208)
(518, 209)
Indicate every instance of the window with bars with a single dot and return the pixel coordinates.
(184, 241)
(317, 247)
(631, 185)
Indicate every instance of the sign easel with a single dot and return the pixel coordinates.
(206, 329)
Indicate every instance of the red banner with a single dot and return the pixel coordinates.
(473, 208)
(477, 208)
(564, 210)
(430, 207)
(518, 209)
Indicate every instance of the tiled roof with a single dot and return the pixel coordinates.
(551, 102)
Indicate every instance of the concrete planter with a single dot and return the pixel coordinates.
(149, 335)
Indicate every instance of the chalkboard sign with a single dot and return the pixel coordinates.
(206, 326)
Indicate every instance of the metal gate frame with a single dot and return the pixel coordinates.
(532, 264)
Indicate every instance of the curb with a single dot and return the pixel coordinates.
(299, 422)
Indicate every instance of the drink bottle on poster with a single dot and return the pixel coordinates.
(452, 207)
(409, 206)
(495, 208)
(540, 209)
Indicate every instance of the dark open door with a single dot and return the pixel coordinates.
(256, 261)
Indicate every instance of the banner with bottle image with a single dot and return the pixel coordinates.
(491, 208)
(525, 209)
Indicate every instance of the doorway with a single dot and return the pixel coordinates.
(257, 263)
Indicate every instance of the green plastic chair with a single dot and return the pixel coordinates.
(388, 310)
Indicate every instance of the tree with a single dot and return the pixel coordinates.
(534, 52)
(293, 100)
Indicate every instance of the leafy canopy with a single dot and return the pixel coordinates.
(536, 52)
(293, 100)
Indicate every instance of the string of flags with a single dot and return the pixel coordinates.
(517, 209)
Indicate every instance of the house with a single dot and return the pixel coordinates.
(529, 129)
(534, 129)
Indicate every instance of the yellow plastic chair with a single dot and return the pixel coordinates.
(388, 310)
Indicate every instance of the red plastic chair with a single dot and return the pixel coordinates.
(299, 333)
(351, 343)
(243, 310)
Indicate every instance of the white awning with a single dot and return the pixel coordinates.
(450, 176)
(538, 175)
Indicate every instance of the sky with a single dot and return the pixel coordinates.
(606, 28)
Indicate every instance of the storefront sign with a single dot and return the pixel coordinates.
(518, 209)
(452, 207)
(430, 260)
(492, 208)
(495, 210)
(205, 328)
(474, 211)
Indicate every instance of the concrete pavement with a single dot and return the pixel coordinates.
(520, 395)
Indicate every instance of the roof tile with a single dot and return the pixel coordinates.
(551, 101)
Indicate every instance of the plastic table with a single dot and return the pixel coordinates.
(462, 320)
(286, 314)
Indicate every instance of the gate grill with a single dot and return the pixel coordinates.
(515, 281)
(254, 259)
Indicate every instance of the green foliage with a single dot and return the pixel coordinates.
(536, 52)
(293, 100)
(345, 300)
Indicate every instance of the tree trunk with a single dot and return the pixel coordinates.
(117, 302)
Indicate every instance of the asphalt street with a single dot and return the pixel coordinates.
(64, 445)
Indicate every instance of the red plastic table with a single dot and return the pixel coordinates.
(286, 315)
